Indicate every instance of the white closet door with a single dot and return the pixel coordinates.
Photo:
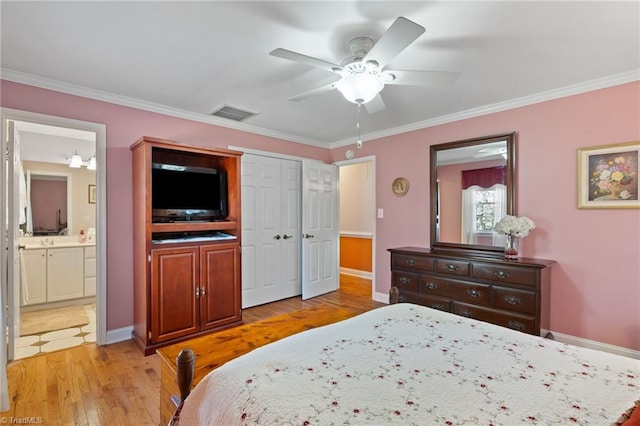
(271, 229)
(320, 227)
(260, 229)
(291, 227)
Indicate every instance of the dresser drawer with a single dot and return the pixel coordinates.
(477, 294)
(435, 302)
(453, 267)
(406, 280)
(524, 323)
(514, 300)
(502, 273)
(409, 262)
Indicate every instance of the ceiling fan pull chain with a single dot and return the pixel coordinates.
(359, 142)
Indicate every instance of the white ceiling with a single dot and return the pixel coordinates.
(189, 58)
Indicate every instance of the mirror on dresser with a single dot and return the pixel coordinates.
(472, 187)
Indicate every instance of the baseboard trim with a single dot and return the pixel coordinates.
(592, 344)
(381, 297)
(357, 273)
(119, 335)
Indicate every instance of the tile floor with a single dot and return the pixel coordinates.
(27, 346)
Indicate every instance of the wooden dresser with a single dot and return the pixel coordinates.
(510, 293)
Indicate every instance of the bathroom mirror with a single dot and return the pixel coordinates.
(472, 187)
(49, 203)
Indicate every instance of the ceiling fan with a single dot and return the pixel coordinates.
(363, 75)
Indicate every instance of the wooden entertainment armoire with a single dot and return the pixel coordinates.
(183, 289)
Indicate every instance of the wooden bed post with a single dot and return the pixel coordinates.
(186, 363)
(394, 295)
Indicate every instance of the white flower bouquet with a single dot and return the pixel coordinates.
(515, 226)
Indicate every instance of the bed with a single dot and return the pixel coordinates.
(408, 364)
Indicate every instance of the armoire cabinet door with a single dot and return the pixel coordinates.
(219, 285)
(174, 282)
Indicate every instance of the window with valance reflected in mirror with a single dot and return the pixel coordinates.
(472, 189)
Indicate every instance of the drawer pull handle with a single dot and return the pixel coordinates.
(512, 300)
(451, 267)
(474, 293)
(431, 286)
(516, 325)
(404, 280)
(402, 298)
(466, 313)
(501, 274)
(438, 306)
(411, 262)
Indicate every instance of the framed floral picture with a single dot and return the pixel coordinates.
(608, 176)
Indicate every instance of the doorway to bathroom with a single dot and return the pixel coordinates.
(56, 267)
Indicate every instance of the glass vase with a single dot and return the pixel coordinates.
(511, 247)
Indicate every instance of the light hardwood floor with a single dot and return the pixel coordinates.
(116, 384)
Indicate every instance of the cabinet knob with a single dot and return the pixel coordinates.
(411, 262)
(451, 267)
(474, 293)
(197, 292)
(466, 313)
(431, 286)
(404, 280)
(516, 325)
(438, 306)
(501, 274)
(512, 300)
(202, 291)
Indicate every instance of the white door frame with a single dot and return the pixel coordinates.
(100, 130)
(369, 159)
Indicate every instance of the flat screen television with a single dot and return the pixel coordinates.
(187, 193)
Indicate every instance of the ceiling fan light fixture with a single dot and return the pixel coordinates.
(76, 161)
(359, 88)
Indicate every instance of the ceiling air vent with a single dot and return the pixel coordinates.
(232, 113)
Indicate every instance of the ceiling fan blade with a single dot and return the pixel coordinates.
(304, 59)
(313, 92)
(398, 36)
(423, 78)
(374, 105)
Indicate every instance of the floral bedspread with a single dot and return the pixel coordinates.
(410, 365)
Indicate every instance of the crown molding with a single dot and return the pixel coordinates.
(72, 89)
(574, 89)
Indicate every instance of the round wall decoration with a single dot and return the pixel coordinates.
(348, 155)
(400, 186)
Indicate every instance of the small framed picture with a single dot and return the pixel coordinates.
(92, 194)
(608, 176)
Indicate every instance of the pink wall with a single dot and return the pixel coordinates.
(125, 126)
(596, 282)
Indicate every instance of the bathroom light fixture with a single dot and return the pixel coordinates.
(76, 161)
(92, 163)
